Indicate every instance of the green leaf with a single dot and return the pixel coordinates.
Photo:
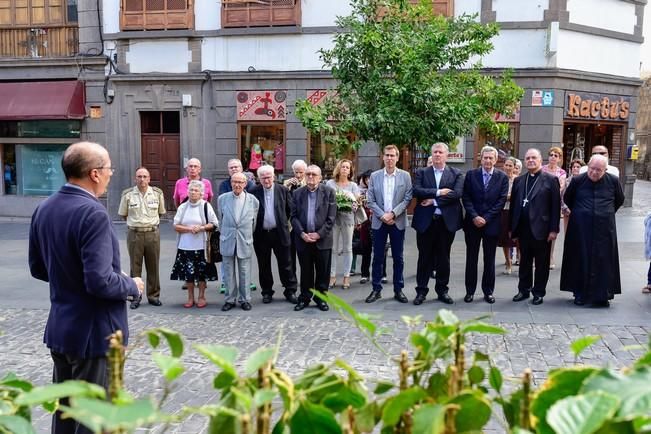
(52, 392)
(582, 414)
(258, 359)
(367, 417)
(220, 355)
(474, 412)
(171, 367)
(437, 387)
(495, 378)
(337, 402)
(645, 360)
(481, 357)
(581, 344)
(631, 388)
(223, 380)
(100, 415)
(382, 387)
(447, 317)
(243, 398)
(352, 373)
(10, 380)
(174, 340)
(313, 418)
(262, 397)
(480, 327)
(476, 374)
(15, 425)
(398, 404)
(280, 428)
(429, 419)
(152, 336)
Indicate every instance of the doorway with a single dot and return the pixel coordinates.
(580, 138)
(161, 151)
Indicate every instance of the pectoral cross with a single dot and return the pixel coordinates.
(524, 202)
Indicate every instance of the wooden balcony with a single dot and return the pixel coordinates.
(261, 13)
(54, 41)
(156, 14)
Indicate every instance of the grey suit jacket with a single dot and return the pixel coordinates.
(236, 233)
(401, 197)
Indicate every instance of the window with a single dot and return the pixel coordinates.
(35, 13)
(322, 154)
(261, 13)
(262, 143)
(32, 170)
(156, 14)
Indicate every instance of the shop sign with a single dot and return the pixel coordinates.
(316, 97)
(597, 107)
(542, 98)
(459, 154)
(266, 105)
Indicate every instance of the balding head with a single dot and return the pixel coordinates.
(597, 167)
(82, 157)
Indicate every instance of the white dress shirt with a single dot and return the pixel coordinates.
(389, 187)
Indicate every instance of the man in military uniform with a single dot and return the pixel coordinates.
(142, 206)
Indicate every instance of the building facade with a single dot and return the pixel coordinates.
(175, 79)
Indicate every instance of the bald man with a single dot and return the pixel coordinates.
(73, 247)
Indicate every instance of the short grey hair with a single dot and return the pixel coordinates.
(265, 169)
(518, 163)
(196, 183)
(599, 158)
(315, 168)
(439, 144)
(298, 163)
(237, 160)
(488, 148)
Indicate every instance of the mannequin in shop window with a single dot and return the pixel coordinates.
(279, 157)
(256, 157)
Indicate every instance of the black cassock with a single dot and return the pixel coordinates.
(590, 256)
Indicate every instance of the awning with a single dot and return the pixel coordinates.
(42, 100)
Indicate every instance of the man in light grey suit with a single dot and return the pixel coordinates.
(237, 212)
(389, 194)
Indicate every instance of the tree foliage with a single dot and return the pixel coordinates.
(407, 76)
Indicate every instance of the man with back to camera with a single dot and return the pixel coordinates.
(73, 246)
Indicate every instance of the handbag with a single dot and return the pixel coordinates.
(213, 255)
(360, 215)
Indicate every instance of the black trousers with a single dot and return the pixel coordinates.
(74, 368)
(434, 247)
(315, 270)
(265, 242)
(533, 251)
(474, 236)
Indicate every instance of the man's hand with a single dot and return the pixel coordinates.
(427, 202)
(444, 191)
(140, 284)
(314, 236)
(552, 236)
(387, 218)
(479, 221)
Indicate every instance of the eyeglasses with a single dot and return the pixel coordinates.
(554, 155)
(110, 169)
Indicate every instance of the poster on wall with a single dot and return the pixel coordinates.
(459, 154)
(265, 105)
(542, 98)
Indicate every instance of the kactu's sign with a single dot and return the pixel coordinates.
(596, 107)
(266, 105)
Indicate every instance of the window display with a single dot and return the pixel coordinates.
(262, 144)
(322, 154)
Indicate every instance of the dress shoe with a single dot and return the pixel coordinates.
(469, 298)
(489, 299)
(322, 305)
(537, 300)
(227, 306)
(400, 296)
(135, 303)
(246, 305)
(267, 298)
(521, 296)
(420, 298)
(301, 305)
(373, 296)
(601, 304)
(445, 299)
(579, 301)
(363, 280)
(155, 302)
(384, 280)
(290, 297)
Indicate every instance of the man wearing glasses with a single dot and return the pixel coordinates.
(602, 150)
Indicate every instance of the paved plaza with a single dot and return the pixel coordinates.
(538, 336)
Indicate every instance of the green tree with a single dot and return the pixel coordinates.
(407, 76)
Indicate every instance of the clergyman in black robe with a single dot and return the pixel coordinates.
(590, 256)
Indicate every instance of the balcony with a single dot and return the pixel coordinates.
(156, 15)
(54, 41)
(261, 13)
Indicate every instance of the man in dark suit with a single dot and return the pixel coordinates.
(272, 233)
(535, 215)
(484, 195)
(73, 246)
(313, 217)
(436, 218)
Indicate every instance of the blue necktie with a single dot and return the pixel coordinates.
(487, 178)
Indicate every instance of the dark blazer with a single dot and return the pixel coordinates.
(324, 218)
(544, 206)
(282, 211)
(73, 246)
(485, 202)
(450, 205)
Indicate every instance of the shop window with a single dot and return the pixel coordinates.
(580, 138)
(506, 147)
(262, 144)
(322, 154)
(32, 170)
(9, 169)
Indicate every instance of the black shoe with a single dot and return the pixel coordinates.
(445, 299)
(521, 296)
(227, 306)
(601, 304)
(301, 305)
(322, 305)
(384, 280)
(579, 301)
(245, 305)
(373, 296)
(489, 299)
(469, 298)
(267, 298)
(537, 300)
(135, 303)
(420, 298)
(155, 302)
(291, 297)
(400, 296)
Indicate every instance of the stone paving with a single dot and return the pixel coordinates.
(538, 336)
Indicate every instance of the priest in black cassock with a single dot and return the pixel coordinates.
(590, 257)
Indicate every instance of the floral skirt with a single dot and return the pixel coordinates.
(191, 265)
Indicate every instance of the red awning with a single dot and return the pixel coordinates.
(42, 100)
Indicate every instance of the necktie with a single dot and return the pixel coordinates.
(487, 178)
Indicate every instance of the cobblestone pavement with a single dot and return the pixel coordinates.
(538, 336)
